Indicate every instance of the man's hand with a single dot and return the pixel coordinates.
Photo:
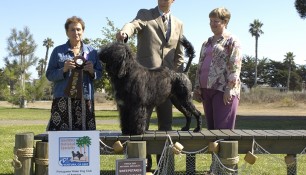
(121, 36)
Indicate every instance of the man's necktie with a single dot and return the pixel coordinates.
(165, 21)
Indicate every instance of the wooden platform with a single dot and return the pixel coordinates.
(274, 141)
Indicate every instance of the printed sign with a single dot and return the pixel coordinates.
(130, 167)
(74, 152)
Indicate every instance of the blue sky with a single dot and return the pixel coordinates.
(284, 30)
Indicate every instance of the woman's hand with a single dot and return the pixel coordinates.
(69, 64)
(89, 68)
(197, 94)
(227, 98)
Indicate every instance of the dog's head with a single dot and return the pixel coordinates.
(115, 56)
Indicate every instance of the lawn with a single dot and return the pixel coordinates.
(265, 166)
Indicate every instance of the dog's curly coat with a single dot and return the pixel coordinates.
(138, 90)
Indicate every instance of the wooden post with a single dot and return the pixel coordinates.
(228, 154)
(136, 149)
(41, 158)
(190, 164)
(290, 160)
(23, 151)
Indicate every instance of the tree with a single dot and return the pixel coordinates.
(262, 71)
(300, 6)
(4, 93)
(48, 43)
(301, 70)
(21, 45)
(12, 73)
(255, 30)
(289, 60)
(277, 73)
(247, 70)
(192, 73)
(41, 86)
(40, 68)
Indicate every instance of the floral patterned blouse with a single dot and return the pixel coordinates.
(225, 66)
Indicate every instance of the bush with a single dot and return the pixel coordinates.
(264, 95)
(100, 97)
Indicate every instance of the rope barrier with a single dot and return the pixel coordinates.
(218, 164)
(40, 161)
(222, 165)
(231, 160)
(21, 153)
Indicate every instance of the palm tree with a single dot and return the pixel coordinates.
(86, 142)
(40, 67)
(289, 60)
(300, 6)
(48, 43)
(255, 30)
(79, 143)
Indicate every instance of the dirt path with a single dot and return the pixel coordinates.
(45, 122)
(244, 110)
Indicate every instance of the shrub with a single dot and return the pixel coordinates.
(264, 95)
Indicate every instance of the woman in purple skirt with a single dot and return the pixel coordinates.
(217, 80)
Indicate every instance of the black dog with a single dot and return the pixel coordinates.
(138, 90)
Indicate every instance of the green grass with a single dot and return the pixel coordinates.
(23, 114)
(264, 166)
(7, 141)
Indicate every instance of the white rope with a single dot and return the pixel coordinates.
(21, 153)
(304, 151)
(41, 161)
(111, 148)
(169, 137)
(264, 151)
(223, 166)
(162, 154)
(105, 145)
(169, 143)
(230, 160)
(253, 143)
(274, 157)
(203, 150)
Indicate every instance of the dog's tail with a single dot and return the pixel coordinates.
(189, 51)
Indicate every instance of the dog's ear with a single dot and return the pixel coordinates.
(122, 70)
(125, 58)
(103, 53)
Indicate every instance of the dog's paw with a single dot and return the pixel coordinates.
(197, 129)
(185, 128)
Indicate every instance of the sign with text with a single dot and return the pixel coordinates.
(74, 152)
(131, 166)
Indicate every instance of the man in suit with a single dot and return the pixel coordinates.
(157, 47)
(158, 35)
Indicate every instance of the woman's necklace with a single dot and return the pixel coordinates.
(76, 50)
